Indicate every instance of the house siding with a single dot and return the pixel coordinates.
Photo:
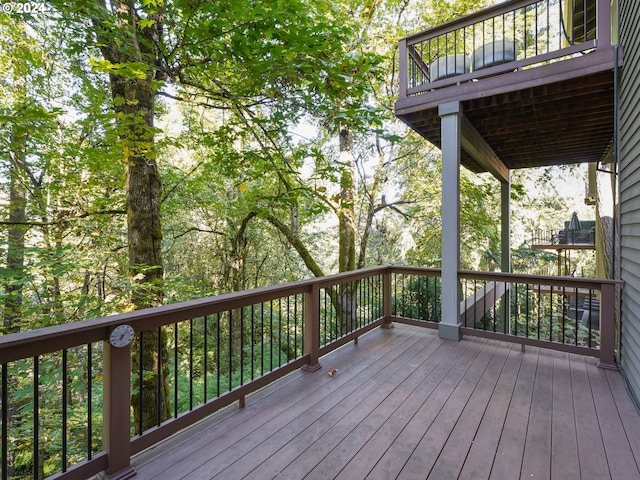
(629, 168)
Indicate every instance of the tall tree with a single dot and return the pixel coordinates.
(127, 35)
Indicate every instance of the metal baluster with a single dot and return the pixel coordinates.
(175, 370)
(271, 334)
(190, 364)
(159, 381)
(90, 400)
(206, 355)
(36, 416)
(140, 383)
(241, 346)
(65, 393)
(218, 354)
(279, 332)
(230, 316)
(253, 340)
(5, 420)
(262, 338)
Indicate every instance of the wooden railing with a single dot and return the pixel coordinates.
(507, 37)
(569, 236)
(67, 393)
(575, 315)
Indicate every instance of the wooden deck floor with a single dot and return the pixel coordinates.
(407, 405)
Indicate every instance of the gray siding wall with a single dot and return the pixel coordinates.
(629, 117)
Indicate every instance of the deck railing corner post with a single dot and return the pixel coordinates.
(386, 299)
(117, 404)
(607, 326)
(312, 327)
(403, 71)
(603, 19)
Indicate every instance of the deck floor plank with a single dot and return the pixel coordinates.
(483, 450)
(536, 462)
(364, 461)
(565, 462)
(508, 460)
(327, 455)
(213, 438)
(627, 410)
(428, 449)
(454, 453)
(431, 363)
(593, 465)
(321, 428)
(406, 404)
(299, 415)
(622, 463)
(396, 456)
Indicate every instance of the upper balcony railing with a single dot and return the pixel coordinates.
(69, 398)
(559, 239)
(511, 36)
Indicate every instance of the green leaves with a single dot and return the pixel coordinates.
(134, 70)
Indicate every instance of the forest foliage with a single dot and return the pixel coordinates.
(245, 104)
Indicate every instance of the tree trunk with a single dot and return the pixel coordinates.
(346, 228)
(378, 179)
(15, 234)
(134, 100)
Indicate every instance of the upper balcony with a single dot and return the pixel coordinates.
(535, 80)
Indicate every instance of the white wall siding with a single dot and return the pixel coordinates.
(629, 103)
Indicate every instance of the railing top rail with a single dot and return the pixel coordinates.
(572, 282)
(467, 20)
(50, 339)
(415, 270)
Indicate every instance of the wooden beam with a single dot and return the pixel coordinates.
(479, 149)
(474, 307)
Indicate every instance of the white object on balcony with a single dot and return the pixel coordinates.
(449, 66)
(494, 53)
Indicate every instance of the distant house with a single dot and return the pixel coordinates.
(527, 84)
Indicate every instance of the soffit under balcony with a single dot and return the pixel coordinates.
(548, 123)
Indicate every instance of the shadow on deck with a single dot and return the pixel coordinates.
(406, 404)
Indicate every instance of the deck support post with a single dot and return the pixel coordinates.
(116, 426)
(451, 118)
(312, 328)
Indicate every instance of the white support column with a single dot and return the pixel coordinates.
(450, 114)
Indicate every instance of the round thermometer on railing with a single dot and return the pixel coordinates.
(121, 336)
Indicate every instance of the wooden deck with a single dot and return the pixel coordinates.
(405, 404)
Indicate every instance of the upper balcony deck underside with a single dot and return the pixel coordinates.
(558, 113)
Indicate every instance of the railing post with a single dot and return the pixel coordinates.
(403, 74)
(117, 405)
(386, 299)
(312, 327)
(607, 326)
(603, 19)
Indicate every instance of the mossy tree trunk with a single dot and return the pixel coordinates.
(129, 42)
